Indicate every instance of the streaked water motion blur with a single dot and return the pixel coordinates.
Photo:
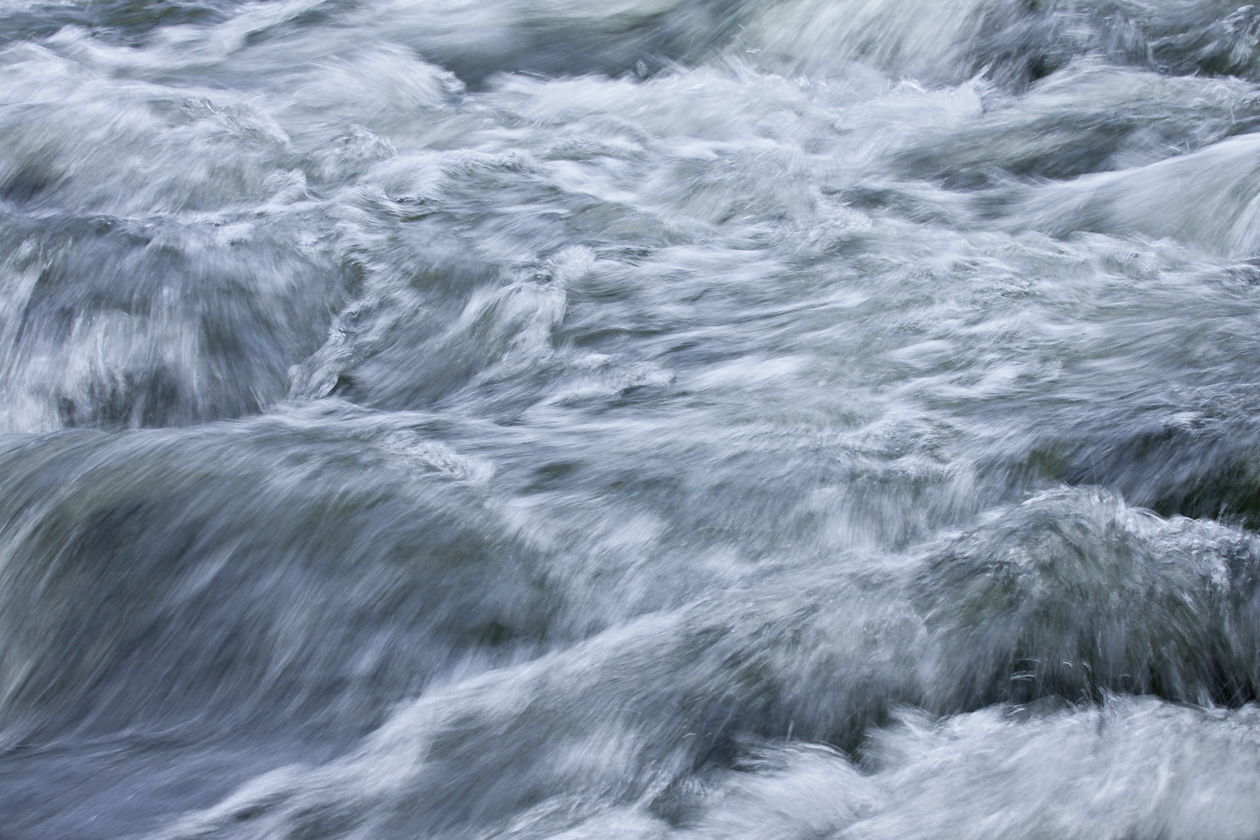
(629, 419)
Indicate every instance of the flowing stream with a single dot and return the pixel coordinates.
(629, 419)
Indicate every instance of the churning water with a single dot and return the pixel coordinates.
(629, 419)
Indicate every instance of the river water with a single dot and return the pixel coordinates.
(629, 419)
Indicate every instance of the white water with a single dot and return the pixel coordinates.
(663, 419)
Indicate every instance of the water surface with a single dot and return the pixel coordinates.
(629, 419)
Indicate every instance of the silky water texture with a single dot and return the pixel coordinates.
(629, 419)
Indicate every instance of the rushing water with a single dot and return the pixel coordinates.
(629, 419)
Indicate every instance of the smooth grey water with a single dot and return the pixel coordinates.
(637, 419)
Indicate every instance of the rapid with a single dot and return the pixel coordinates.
(629, 419)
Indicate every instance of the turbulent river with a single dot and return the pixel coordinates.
(629, 419)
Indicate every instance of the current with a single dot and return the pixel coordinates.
(629, 420)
